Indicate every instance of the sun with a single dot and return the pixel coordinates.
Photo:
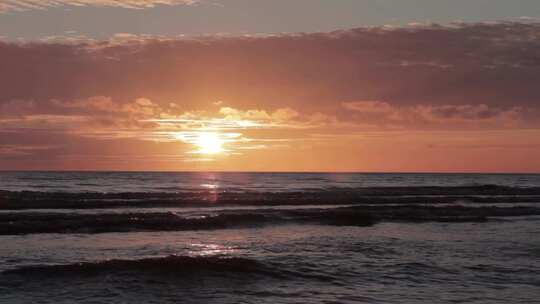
(209, 143)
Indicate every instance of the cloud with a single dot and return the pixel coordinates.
(372, 107)
(23, 5)
(459, 113)
(282, 115)
(94, 106)
(22, 150)
(228, 126)
(492, 64)
(101, 117)
(450, 117)
(420, 76)
(131, 92)
(97, 116)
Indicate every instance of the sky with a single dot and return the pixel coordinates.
(100, 19)
(300, 85)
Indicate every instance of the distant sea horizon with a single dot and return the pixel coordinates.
(285, 171)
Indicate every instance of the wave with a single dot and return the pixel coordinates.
(31, 222)
(13, 200)
(42, 222)
(177, 265)
(174, 266)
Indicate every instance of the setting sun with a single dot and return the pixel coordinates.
(209, 143)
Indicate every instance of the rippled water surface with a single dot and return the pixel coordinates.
(388, 263)
(263, 182)
(389, 250)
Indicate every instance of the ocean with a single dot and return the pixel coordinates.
(154, 237)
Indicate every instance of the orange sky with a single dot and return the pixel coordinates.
(440, 99)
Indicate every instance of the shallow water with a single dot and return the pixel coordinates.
(385, 252)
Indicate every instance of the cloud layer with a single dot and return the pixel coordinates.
(464, 64)
(271, 92)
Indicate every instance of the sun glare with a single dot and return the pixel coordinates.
(209, 143)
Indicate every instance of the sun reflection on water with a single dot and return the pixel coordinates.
(210, 186)
(210, 249)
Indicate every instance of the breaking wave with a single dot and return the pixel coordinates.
(47, 222)
(171, 264)
(178, 267)
(13, 200)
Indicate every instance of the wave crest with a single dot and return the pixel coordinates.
(12, 200)
(178, 265)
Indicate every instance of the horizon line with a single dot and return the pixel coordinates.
(271, 172)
